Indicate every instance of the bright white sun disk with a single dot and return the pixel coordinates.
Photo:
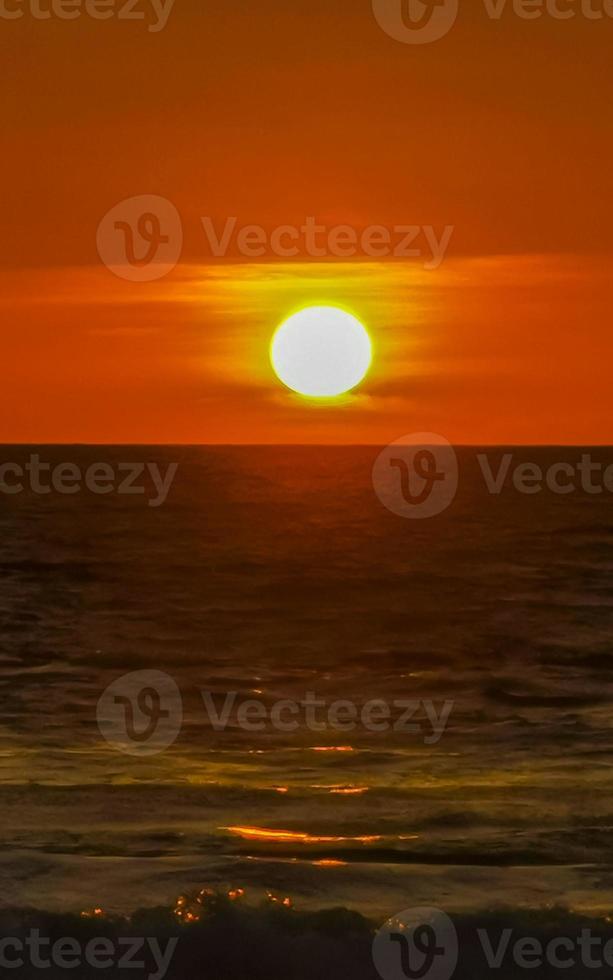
(321, 351)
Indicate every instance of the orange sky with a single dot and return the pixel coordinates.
(272, 112)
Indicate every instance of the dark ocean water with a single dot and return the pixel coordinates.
(274, 572)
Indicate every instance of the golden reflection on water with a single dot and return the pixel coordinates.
(194, 906)
(290, 836)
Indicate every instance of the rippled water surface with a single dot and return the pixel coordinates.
(273, 573)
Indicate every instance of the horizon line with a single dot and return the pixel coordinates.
(298, 445)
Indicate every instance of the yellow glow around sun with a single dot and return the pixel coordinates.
(322, 351)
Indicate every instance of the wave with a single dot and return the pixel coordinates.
(225, 936)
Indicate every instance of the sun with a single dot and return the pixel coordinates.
(322, 351)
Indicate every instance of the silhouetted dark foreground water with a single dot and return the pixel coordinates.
(232, 940)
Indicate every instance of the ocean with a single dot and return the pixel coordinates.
(277, 574)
